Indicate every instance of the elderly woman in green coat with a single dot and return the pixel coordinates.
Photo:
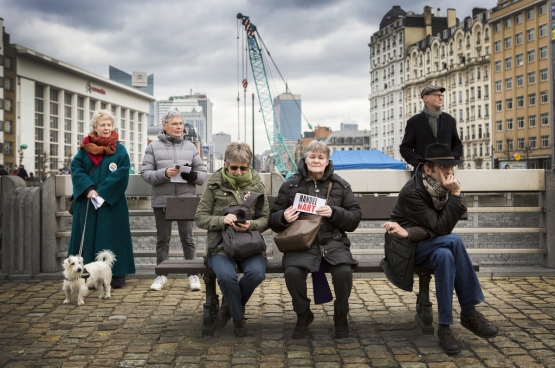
(230, 185)
(101, 168)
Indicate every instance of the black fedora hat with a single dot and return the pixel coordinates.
(440, 154)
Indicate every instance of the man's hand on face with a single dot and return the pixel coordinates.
(449, 181)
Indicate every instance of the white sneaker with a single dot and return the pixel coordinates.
(194, 283)
(159, 283)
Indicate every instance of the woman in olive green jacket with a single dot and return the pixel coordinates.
(231, 185)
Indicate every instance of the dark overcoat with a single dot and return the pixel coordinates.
(331, 242)
(418, 135)
(414, 208)
(107, 227)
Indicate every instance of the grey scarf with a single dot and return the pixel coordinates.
(439, 194)
(432, 118)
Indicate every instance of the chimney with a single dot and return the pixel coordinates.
(451, 17)
(428, 19)
(438, 12)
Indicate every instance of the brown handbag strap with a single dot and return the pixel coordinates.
(328, 195)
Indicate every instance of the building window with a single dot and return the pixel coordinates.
(508, 63)
(518, 18)
(509, 102)
(509, 83)
(545, 141)
(520, 101)
(497, 46)
(497, 27)
(542, 9)
(531, 56)
(531, 77)
(498, 106)
(508, 42)
(520, 80)
(8, 62)
(520, 122)
(8, 126)
(498, 66)
(543, 75)
(8, 105)
(532, 142)
(8, 84)
(509, 124)
(543, 52)
(520, 143)
(544, 118)
(499, 146)
(530, 14)
(508, 23)
(8, 148)
(510, 142)
(499, 125)
(532, 99)
(497, 86)
(532, 121)
(530, 34)
(543, 97)
(542, 30)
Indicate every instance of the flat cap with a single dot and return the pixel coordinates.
(429, 89)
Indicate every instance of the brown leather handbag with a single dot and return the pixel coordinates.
(300, 234)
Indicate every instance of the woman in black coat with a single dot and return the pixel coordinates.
(331, 248)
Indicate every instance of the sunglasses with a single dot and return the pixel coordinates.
(234, 168)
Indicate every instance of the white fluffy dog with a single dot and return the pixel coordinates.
(79, 278)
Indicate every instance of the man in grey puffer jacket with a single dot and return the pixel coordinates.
(158, 169)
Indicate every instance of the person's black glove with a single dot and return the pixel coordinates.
(191, 176)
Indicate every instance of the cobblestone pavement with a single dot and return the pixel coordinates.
(142, 328)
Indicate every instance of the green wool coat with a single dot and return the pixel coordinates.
(217, 196)
(107, 227)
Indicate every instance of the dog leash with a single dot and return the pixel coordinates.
(85, 274)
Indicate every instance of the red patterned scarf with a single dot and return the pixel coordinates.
(96, 146)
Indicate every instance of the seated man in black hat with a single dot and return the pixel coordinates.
(419, 233)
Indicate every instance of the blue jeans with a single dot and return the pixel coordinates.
(447, 256)
(237, 293)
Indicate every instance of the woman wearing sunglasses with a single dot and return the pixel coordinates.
(230, 185)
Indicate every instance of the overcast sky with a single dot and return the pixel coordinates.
(319, 46)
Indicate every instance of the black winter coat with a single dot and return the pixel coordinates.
(414, 209)
(418, 135)
(331, 242)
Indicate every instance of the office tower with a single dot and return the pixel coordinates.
(125, 78)
(288, 108)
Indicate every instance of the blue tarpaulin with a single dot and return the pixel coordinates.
(353, 160)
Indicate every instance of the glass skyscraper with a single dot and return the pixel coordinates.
(125, 78)
(288, 109)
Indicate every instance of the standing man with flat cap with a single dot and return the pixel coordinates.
(430, 126)
(419, 232)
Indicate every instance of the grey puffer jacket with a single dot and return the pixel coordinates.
(331, 242)
(165, 153)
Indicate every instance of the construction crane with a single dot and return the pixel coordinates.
(277, 145)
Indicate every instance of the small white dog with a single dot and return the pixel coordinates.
(78, 278)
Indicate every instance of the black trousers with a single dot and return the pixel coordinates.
(342, 278)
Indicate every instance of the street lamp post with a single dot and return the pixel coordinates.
(20, 151)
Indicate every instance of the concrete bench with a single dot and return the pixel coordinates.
(373, 208)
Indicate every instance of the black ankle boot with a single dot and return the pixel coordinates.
(240, 327)
(223, 315)
(341, 324)
(303, 320)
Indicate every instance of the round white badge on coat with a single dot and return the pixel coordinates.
(113, 166)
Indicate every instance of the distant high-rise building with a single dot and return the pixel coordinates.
(288, 113)
(196, 109)
(349, 125)
(220, 142)
(125, 78)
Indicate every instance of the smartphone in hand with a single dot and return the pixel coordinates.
(176, 166)
(240, 222)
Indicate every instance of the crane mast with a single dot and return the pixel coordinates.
(277, 144)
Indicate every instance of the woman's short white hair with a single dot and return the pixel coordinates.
(317, 146)
(170, 115)
(101, 115)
